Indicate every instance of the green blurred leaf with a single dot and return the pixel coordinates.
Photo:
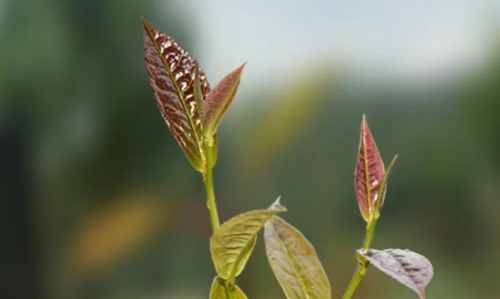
(172, 73)
(369, 172)
(295, 262)
(233, 242)
(220, 290)
(409, 268)
(286, 118)
(219, 101)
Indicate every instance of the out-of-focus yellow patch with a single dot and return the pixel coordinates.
(107, 237)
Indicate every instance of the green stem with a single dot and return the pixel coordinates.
(209, 187)
(362, 266)
(369, 233)
(356, 279)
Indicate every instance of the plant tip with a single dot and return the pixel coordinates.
(145, 23)
(277, 205)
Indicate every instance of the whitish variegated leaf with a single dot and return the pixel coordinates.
(409, 268)
(295, 262)
(232, 244)
(172, 73)
(219, 101)
(369, 172)
(220, 290)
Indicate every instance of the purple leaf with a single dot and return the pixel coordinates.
(219, 100)
(369, 172)
(172, 73)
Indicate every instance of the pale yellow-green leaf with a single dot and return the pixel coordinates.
(220, 290)
(247, 251)
(295, 262)
(233, 242)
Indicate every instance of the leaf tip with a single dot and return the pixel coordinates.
(148, 29)
(277, 205)
(145, 24)
(237, 72)
(364, 122)
(365, 129)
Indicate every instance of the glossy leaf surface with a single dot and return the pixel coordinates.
(233, 242)
(219, 100)
(409, 268)
(172, 73)
(295, 262)
(369, 172)
(219, 290)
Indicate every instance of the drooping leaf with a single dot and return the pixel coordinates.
(219, 101)
(383, 187)
(295, 262)
(233, 242)
(409, 268)
(172, 72)
(220, 290)
(369, 172)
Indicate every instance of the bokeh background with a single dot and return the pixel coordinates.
(98, 201)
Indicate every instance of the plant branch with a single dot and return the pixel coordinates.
(362, 266)
(370, 230)
(356, 279)
(209, 187)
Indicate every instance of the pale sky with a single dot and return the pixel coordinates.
(416, 40)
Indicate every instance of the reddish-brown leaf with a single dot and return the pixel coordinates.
(219, 100)
(369, 172)
(172, 72)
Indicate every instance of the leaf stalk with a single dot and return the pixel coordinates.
(209, 187)
(362, 265)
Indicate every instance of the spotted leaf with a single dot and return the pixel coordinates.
(172, 73)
